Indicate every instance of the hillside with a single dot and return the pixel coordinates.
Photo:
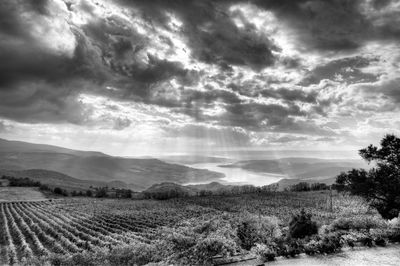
(94, 166)
(192, 159)
(168, 190)
(300, 168)
(56, 179)
(286, 183)
(213, 186)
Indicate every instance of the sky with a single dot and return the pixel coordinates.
(142, 77)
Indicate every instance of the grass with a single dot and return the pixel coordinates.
(9, 194)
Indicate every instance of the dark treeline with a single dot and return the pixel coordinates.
(166, 193)
(226, 191)
(102, 192)
(304, 186)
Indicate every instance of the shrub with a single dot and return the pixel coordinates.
(330, 244)
(138, 254)
(349, 240)
(394, 235)
(211, 246)
(301, 225)
(295, 247)
(264, 252)
(181, 242)
(252, 229)
(311, 247)
(357, 223)
(247, 234)
(58, 190)
(380, 241)
(395, 223)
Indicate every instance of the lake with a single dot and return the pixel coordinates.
(240, 176)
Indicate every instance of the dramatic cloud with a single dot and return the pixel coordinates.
(226, 73)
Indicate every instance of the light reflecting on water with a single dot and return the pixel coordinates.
(238, 175)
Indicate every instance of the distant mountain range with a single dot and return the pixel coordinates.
(94, 167)
(56, 179)
(300, 168)
(193, 159)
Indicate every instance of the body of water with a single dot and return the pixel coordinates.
(240, 176)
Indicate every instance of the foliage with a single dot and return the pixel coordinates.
(264, 252)
(304, 186)
(357, 223)
(21, 182)
(252, 229)
(60, 191)
(190, 231)
(301, 225)
(379, 185)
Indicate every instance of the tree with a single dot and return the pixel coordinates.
(89, 193)
(301, 225)
(380, 186)
(58, 190)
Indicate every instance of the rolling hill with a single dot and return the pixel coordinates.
(56, 179)
(91, 166)
(300, 168)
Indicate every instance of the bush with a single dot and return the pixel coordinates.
(58, 191)
(395, 223)
(247, 234)
(195, 242)
(181, 242)
(357, 223)
(139, 254)
(330, 244)
(211, 246)
(264, 252)
(312, 247)
(394, 235)
(254, 229)
(136, 254)
(380, 241)
(301, 225)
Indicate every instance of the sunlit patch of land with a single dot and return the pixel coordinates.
(9, 194)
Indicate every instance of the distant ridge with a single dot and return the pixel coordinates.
(56, 179)
(20, 146)
(138, 174)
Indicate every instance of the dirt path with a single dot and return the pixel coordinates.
(387, 256)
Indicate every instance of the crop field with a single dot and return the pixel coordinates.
(20, 194)
(32, 232)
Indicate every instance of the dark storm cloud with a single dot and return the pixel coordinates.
(218, 134)
(41, 102)
(286, 139)
(332, 25)
(2, 126)
(337, 25)
(43, 85)
(40, 85)
(349, 69)
(212, 35)
(389, 89)
(290, 95)
(256, 116)
(211, 96)
(309, 127)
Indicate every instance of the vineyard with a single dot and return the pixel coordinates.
(38, 229)
(34, 232)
